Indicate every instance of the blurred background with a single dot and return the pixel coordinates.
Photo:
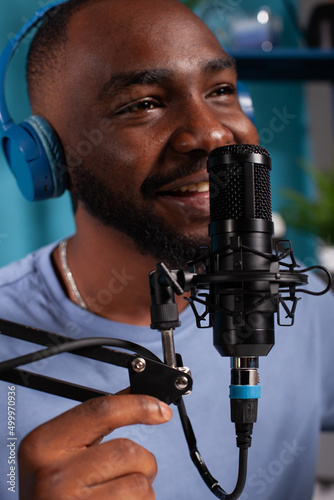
(284, 54)
(293, 110)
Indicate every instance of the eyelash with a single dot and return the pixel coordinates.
(137, 106)
(227, 90)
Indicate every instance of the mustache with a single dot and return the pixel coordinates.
(155, 182)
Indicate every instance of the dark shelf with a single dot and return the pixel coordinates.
(285, 64)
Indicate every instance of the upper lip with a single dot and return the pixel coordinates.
(201, 176)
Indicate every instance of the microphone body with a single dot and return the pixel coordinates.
(241, 231)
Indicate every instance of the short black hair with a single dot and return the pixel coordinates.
(48, 44)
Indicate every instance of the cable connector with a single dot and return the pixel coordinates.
(244, 393)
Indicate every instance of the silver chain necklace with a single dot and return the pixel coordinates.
(69, 275)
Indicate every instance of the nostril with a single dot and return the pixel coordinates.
(201, 138)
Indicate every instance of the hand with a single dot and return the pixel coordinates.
(64, 458)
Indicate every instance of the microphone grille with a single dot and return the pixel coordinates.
(239, 148)
(239, 177)
(262, 191)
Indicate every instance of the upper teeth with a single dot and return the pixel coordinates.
(200, 187)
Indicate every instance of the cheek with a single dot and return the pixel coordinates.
(126, 148)
(121, 169)
(101, 149)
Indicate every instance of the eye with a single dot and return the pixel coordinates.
(139, 106)
(223, 90)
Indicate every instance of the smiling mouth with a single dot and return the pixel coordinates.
(190, 199)
(199, 187)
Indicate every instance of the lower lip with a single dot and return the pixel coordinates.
(193, 202)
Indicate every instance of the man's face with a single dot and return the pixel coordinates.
(148, 94)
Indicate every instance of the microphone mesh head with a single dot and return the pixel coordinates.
(263, 208)
(239, 177)
(239, 149)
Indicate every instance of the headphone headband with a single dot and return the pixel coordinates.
(9, 51)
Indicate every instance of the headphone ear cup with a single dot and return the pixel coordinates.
(55, 162)
(36, 158)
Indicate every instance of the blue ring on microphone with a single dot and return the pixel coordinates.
(245, 391)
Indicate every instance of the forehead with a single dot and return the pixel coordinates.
(117, 36)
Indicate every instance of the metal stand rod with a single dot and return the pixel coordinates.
(167, 337)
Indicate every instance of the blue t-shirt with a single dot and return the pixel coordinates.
(296, 378)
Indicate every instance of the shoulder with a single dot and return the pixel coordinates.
(17, 271)
(24, 269)
(24, 286)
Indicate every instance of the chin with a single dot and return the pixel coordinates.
(201, 235)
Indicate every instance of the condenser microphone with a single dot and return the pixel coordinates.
(243, 283)
(241, 231)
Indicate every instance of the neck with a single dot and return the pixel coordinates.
(109, 272)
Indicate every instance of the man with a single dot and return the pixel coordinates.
(155, 92)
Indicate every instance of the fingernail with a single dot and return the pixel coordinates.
(165, 410)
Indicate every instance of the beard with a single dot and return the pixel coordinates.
(146, 229)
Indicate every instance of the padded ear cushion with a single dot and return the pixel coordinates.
(54, 152)
(33, 153)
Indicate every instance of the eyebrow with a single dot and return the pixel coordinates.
(122, 81)
(215, 65)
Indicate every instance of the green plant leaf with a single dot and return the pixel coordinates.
(314, 215)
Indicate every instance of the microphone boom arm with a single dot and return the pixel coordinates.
(147, 374)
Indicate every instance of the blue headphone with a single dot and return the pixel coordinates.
(32, 148)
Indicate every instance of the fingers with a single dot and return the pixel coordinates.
(130, 487)
(89, 422)
(116, 458)
(117, 469)
(62, 458)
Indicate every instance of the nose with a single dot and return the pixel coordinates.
(200, 130)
